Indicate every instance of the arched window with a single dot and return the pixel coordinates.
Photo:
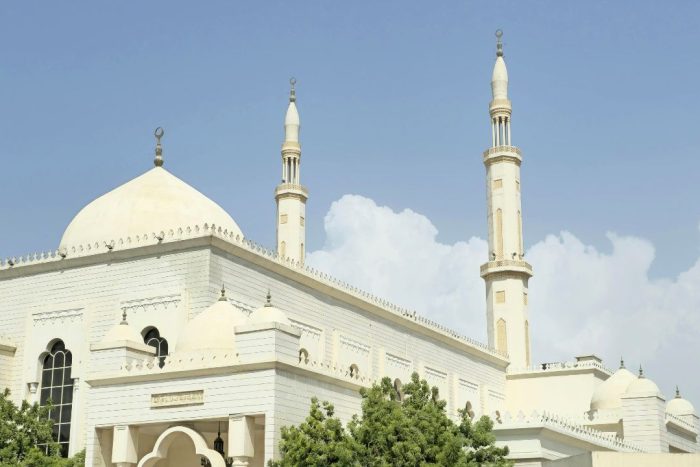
(303, 356)
(57, 389)
(527, 342)
(283, 249)
(499, 234)
(398, 389)
(501, 336)
(354, 371)
(152, 338)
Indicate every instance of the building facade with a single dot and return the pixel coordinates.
(163, 336)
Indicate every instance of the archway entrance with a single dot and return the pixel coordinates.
(175, 446)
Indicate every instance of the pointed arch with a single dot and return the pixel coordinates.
(520, 233)
(283, 248)
(501, 336)
(499, 233)
(57, 390)
(527, 342)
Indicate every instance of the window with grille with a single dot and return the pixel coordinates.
(57, 390)
(152, 338)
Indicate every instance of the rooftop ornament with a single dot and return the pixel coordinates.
(499, 43)
(292, 91)
(158, 133)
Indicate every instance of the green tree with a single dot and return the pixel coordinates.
(22, 430)
(408, 430)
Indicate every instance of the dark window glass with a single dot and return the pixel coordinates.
(57, 387)
(152, 338)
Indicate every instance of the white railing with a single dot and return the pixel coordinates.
(560, 366)
(566, 425)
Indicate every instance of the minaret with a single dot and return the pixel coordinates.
(506, 273)
(290, 195)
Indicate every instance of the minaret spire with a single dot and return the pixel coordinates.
(158, 133)
(290, 195)
(506, 273)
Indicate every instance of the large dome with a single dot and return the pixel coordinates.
(152, 202)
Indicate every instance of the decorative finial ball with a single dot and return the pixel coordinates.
(292, 81)
(499, 34)
(159, 132)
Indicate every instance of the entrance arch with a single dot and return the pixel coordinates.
(160, 450)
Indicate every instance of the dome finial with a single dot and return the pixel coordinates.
(641, 372)
(292, 91)
(269, 298)
(223, 298)
(678, 393)
(622, 363)
(124, 322)
(158, 161)
(499, 43)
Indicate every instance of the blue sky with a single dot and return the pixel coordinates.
(393, 99)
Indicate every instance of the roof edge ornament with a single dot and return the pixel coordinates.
(158, 133)
(499, 43)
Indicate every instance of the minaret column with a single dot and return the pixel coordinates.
(505, 273)
(290, 195)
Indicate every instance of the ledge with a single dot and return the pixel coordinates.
(129, 345)
(248, 328)
(291, 189)
(506, 266)
(502, 154)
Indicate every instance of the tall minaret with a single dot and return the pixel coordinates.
(290, 195)
(506, 274)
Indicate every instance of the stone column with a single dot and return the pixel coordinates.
(241, 430)
(125, 445)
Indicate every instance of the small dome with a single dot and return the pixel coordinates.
(150, 203)
(679, 406)
(123, 332)
(269, 314)
(642, 385)
(607, 395)
(212, 329)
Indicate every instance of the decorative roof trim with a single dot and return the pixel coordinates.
(505, 421)
(210, 234)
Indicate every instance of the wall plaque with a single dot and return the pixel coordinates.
(174, 399)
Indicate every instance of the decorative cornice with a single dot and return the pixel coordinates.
(57, 316)
(291, 190)
(505, 421)
(509, 154)
(211, 235)
(161, 302)
(506, 267)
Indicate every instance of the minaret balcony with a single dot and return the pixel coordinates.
(501, 154)
(508, 266)
(291, 189)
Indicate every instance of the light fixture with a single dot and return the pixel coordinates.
(218, 447)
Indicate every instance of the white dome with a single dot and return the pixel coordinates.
(607, 394)
(212, 329)
(679, 406)
(150, 203)
(269, 314)
(641, 386)
(123, 332)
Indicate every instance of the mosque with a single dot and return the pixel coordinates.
(150, 361)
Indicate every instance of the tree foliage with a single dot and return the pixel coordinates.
(408, 430)
(22, 430)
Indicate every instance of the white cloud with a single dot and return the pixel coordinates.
(582, 300)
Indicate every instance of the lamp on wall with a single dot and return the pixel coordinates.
(218, 447)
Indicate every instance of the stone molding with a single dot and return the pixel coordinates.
(155, 303)
(71, 315)
(506, 421)
(210, 235)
